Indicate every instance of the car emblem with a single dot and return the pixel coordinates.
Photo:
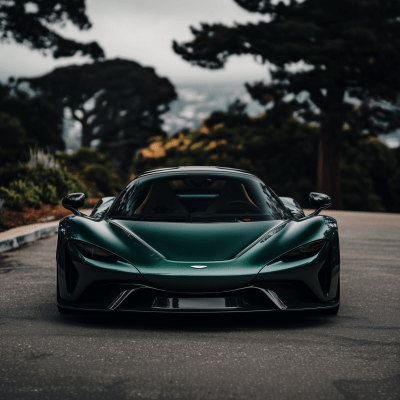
(198, 266)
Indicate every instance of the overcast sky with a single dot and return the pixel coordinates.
(143, 30)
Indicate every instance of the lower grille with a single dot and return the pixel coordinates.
(133, 296)
(148, 298)
(197, 303)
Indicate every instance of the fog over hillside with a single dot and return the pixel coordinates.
(197, 101)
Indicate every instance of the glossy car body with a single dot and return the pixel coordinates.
(120, 261)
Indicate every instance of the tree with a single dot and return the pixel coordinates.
(13, 139)
(95, 170)
(237, 107)
(394, 183)
(238, 141)
(320, 54)
(39, 118)
(117, 102)
(260, 145)
(31, 22)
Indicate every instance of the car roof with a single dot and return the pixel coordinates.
(204, 169)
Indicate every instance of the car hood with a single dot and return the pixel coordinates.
(164, 253)
(198, 242)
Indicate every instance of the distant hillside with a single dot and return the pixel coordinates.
(197, 101)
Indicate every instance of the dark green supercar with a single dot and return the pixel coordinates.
(198, 239)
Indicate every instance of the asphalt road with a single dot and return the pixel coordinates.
(354, 355)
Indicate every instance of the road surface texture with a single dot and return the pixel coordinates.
(354, 355)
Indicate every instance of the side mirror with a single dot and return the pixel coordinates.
(73, 201)
(319, 201)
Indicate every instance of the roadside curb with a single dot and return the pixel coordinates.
(16, 237)
(39, 233)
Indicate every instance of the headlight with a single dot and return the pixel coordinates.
(94, 253)
(306, 251)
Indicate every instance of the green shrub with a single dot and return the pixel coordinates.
(96, 170)
(63, 181)
(49, 195)
(3, 222)
(28, 191)
(12, 200)
(31, 186)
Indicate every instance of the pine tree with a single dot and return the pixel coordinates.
(32, 22)
(117, 102)
(333, 62)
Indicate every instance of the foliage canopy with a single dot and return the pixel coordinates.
(37, 116)
(117, 102)
(319, 54)
(13, 139)
(283, 154)
(32, 22)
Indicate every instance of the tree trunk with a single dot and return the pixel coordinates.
(328, 178)
(86, 133)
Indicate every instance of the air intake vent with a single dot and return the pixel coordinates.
(325, 274)
(71, 273)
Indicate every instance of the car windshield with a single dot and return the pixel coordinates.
(198, 198)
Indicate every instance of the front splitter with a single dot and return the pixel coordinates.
(224, 302)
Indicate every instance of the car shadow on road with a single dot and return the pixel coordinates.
(198, 322)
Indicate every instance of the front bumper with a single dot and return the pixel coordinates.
(305, 285)
(272, 296)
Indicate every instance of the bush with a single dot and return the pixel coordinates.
(284, 155)
(366, 167)
(49, 194)
(96, 170)
(28, 192)
(60, 180)
(11, 199)
(3, 222)
(31, 186)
